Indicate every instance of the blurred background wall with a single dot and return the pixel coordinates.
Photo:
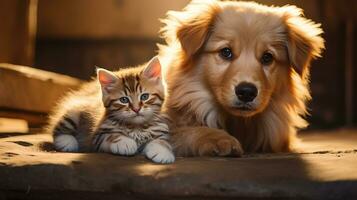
(74, 36)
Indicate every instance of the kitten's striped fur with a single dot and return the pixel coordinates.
(119, 113)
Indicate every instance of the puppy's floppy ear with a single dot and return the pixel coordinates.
(304, 39)
(191, 26)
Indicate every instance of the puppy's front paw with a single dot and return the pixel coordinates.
(123, 146)
(159, 153)
(221, 144)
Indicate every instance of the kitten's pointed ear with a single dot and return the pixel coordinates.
(106, 78)
(153, 69)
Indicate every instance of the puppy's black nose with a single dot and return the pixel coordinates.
(246, 92)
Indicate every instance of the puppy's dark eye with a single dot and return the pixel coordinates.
(226, 53)
(267, 58)
(124, 99)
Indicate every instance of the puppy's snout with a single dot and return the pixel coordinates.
(246, 92)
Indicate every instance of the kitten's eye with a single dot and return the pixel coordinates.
(226, 53)
(124, 99)
(144, 97)
(267, 58)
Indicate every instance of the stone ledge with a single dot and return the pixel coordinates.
(324, 168)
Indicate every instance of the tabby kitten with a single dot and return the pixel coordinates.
(120, 115)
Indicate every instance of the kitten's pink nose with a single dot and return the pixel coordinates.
(136, 110)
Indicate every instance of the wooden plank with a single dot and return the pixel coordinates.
(34, 120)
(324, 168)
(18, 31)
(349, 78)
(103, 19)
(9, 125)
(98, 19)
(32, 90)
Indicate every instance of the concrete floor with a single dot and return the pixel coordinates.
(324, 166)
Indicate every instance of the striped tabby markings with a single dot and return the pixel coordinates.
(138, 86)
(114, 132)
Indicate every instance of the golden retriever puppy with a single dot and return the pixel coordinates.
(237, 76)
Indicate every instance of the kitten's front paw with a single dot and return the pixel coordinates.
(66, 143)
(123, 146)
(159, 153)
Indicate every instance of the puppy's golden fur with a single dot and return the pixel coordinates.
(200, 83)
